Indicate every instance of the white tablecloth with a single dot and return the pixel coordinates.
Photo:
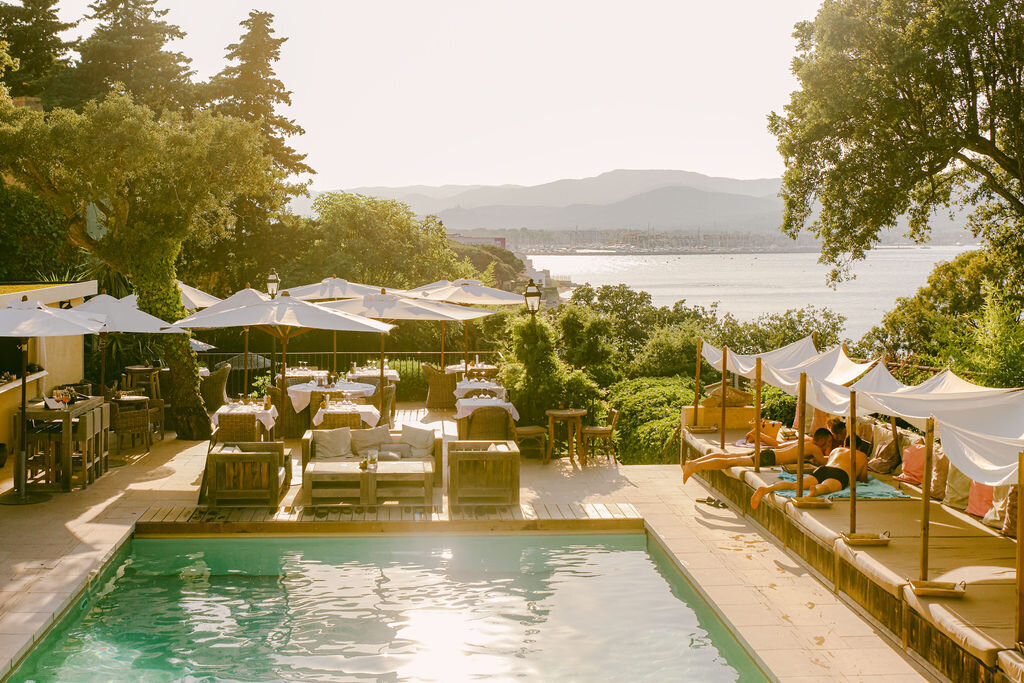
(461, 367)
(300, 372)
(390, 374)
(370, 415)
(467, 385)
(267, 417)
(465, 406)
(301, 393)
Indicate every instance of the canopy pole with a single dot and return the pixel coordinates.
(926, 487)
(284, 366)
(442, 345)
(757, 414)
(725, 372)
(696, 390)
(245, 375)
(382, 416)
(800, 430)
(1019, 631)
(334, 363)
(851, 430)
(103, 363)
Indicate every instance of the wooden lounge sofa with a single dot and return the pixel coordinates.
(246, 473)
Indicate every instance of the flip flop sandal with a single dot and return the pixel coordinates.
(719, 504)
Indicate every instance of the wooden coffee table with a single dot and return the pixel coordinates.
(404, 479)
(344, 481)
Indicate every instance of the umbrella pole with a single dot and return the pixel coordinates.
(20, 494)
(334, 365)
(381, 375)
(465, 334)
(245, 375)
(103, 363)
(851, 430)
(284, 364)
(442, 345)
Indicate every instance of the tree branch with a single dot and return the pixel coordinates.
(994, 183)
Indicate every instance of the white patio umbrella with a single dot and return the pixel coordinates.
(121, 316)
(191, 298)
(283, 317)
(243, 297)
(467, 292)
(25, 319)
(386, 306)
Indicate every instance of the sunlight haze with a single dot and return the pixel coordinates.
(466, 92)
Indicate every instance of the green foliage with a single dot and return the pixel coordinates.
(631, 311)
(33, 30)
(996, 348)
(669, 351)
(532, 372)
(34, 233)
(261, 384)
(503, 265)
(904, 109)
(649, 411)
(777, 405)
(773, 330)
(584, 343)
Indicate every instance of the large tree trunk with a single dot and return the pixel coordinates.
(157, 289)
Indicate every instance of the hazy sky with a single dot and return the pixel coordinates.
(471, 91)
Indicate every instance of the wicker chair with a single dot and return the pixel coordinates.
(440, 388)
(481, 393)
(130, 423)
(538, 435)
(601, 437)
(214, 388)
(490, 423)
(235, 427)
(259, 474)
(157, 417)
(338, 420)
(386, 415)
(290, 424)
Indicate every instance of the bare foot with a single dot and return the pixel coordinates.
(755, 499)
(687, 471)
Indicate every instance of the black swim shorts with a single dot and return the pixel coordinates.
(767, 457)
(839, 474)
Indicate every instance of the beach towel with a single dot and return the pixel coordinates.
(874, 489)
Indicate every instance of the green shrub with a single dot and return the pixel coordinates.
(777, 405)
(648, 416)
(669, 351)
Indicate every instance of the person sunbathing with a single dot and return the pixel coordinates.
(814, 447)
(838, 428)
(769, 433)
(833, 476)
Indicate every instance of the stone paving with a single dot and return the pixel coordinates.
(797, 627)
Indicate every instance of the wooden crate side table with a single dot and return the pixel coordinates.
(483, 473)
(339, 481)
(403, 480)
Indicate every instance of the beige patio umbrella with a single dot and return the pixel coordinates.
(332, 289)
(467, 292)
(384, 306)
(243, 297)
(283, 317)
(25, 319)
(122, 316)
(191, 298)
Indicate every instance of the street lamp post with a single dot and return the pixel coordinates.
(532, 294)
(273, 284)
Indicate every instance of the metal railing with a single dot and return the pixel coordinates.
(412, 387)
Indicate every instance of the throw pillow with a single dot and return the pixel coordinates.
(1010, 521)
(385, 456)
(979, 501)
(886, 458)
(420, 441)
(996, 515)
(913, 464)
(399, 450)
(958, 488)
(369, 439)
(332, 443)
(939, 475)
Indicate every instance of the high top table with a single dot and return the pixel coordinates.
(39, 411)
(573, 418)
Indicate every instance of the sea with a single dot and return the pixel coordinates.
(748, 285)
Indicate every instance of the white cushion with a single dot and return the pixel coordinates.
(370, 439)
(398, 450)
(332, 443)
(421, 441)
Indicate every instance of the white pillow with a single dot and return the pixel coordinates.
(370, 439)
(395, 451)
(421, 441)
(332, 443)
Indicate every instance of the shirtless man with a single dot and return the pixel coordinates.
(831, 477)
(816, 447)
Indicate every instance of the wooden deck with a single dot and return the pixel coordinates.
(399, 519)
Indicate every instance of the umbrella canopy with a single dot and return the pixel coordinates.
(466, 291)
(200, 345)
(243, 297)
(191, 298)
(385, 306)
(249, 360)
(283, 317)
(332, 288)
(32, 319)
(122, 316)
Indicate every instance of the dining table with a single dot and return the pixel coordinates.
(460, 368)
(464, 407)
(369, 414)
(390, 374)
(266, 417)
(465, 386)
(573, 418)
(66, 415)
(301, 394)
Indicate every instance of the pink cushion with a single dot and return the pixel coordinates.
(913, 464)
(980, 500)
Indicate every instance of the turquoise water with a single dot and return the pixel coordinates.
(565, 608)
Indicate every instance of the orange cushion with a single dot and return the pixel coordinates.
(913, 464)
(980, 500)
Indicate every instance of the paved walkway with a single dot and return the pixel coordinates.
(799, 629)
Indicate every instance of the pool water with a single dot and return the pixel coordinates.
(550, 608)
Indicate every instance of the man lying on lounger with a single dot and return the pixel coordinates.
(814, 447)
(839, 436)
(831, 477)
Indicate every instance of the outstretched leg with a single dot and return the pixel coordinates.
(809, 482)
(826, 487)
(715, 462)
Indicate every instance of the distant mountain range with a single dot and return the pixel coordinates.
(663, 200)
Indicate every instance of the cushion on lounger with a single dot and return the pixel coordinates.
(913, 464)
(940, 475)
(886, 457)
(370, 439)
(958, 488)
(1010, 519)
(979, 501)
(420, 440)
(395, 451)
(332, 443)
(997, 513)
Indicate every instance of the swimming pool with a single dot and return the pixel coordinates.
(566, 608)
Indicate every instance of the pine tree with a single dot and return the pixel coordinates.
(32, 29)
(129, 47)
